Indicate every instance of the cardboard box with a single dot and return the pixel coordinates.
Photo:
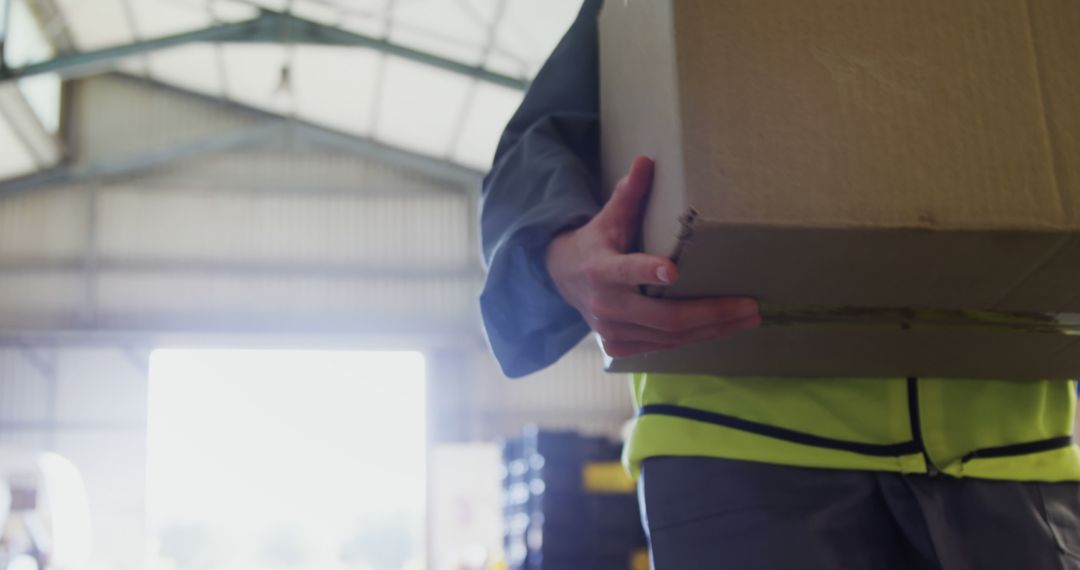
(898, 182)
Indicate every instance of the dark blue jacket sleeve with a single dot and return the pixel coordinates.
(545, 180)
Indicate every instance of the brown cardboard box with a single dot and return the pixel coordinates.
(839, 159)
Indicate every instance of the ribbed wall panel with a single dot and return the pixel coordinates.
(308, 235)
(303, 168)
(309, 302)
(39, 299)
(49, 224)
(382, 231)
(104, 107)
(24, 391)
(312, 239)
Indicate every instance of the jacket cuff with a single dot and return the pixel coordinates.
(529, 326)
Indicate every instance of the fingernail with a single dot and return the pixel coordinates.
(662, 274)
(747, 309)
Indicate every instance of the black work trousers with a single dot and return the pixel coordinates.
(705, 513)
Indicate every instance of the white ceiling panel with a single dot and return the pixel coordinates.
(230, 10)
(528, 32)
(373, 26)
(322, 12)
(279, 5)
(15, 160)
(506, 63)
(159, 18)
(35, 137)
(398, 102)
(420, 106)
(192, 66)
(42, 93)
(455, 30)
(25, 43)
(366, 17)
(135, 65)
(254, 76)
(489, 112)
(95, 24)
(436, 43)
(335, 86)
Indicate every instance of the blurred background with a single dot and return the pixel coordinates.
(239, 268)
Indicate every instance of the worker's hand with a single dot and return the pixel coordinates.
(594, 273)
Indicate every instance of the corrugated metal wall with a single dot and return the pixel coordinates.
(120, 118)
(284, 236)
(40, 233)
(421, 232)
(288, 237)
(48, 224)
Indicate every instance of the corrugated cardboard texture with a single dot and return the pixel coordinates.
(1056, 49)
(866, 153)
(875, 113)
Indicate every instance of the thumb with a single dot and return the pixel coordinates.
(622, 212)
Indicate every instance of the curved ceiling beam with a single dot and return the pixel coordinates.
(267, 27)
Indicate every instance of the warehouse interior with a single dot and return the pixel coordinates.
(239, 269)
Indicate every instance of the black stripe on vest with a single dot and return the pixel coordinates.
(879, 450)
(1048, 444)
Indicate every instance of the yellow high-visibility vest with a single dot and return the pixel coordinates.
(988, 429)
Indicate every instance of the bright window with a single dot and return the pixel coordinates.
(286, 459)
